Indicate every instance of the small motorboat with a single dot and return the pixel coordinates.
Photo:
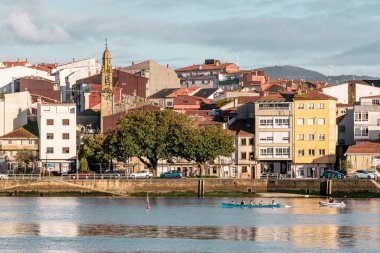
(232, 205)
(333, 204)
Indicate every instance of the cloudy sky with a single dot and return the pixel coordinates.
(314, 34)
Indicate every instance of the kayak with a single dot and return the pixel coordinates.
(335, 204)
(231, 205)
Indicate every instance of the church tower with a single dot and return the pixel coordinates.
(106, 92)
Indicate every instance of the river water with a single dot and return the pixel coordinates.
(105, 225)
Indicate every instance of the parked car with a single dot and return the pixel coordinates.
(375, 172)
(141, 174)
(111, 174)
(364, 174)
(332, 174)
(344, 172)
(81, 175)
(172, 174)
(3, 176)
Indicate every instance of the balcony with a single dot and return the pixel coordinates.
(17, 147)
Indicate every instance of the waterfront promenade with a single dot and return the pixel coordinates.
(187, 186)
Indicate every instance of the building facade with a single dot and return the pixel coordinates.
(207, 75)
(315, 133)
(274, 134)
(367, 119)
(57, 131)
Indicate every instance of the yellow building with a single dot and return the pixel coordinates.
(315, 133)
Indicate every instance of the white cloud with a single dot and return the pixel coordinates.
(21, 26)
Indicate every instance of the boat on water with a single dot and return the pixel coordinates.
(232, 205)
(333, 204)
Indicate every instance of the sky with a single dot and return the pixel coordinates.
(330, 36)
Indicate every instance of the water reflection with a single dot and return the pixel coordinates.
(326, 236)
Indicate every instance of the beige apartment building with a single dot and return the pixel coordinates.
(274, 134)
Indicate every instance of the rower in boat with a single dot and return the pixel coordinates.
(273, 203)
(331, 200)
(251, 203)
(261, 202)
(242, 203)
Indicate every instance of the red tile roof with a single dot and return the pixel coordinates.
(312, 95)
(364, 148)
(229, 67)
(248, 99)
(20, 133)
(272, 97)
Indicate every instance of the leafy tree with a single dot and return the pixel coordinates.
(84, 164)
(93, 150)
(150, 136)
(345, 165)
(25, 157)
(206, 144)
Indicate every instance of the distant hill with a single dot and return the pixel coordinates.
(294, 72)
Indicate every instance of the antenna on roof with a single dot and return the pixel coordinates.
(330, 70)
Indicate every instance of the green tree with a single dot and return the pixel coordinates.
(150, 136)
(345, 165)
(25, 157)
(92, 148)
(206, 144)
(84, 164)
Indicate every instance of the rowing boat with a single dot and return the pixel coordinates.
(334, 204)
(231, 205)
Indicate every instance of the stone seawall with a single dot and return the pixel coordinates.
(128, 187)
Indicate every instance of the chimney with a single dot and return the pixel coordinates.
(133, 63)
(167, 65)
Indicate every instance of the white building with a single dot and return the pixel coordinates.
(57, 130)
(67, 74)
(348, 93)
(14, 110)
(367, 119)
(8, 75)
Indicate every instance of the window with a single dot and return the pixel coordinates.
(31, 142)
(378, 122)
(311, 137)
(251, 141)
(72, 110)
(214, 169)
(243, 155)
(310, 122)
(300, 137)
(244, 169)
(65, 150)
(282, 151)
(361, 116)
(49, 150)
(65, 122)
(266, 122)
(321, 121)
(50, 136)
(311, 105)
(49, 122)
(301, 152)
(311, 152)
(321, 137)
(9, 141)
(376, 101)
(266, 152)
(243, 141)
(322, 152)
(300, 122)
(282, 122)
(300, 106)
(65, 136)
(361, 131)
(251, 156)
(169, 103)
(321, 106)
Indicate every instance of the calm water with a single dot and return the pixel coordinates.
(185, 225)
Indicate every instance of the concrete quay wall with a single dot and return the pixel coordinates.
(128, 187)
